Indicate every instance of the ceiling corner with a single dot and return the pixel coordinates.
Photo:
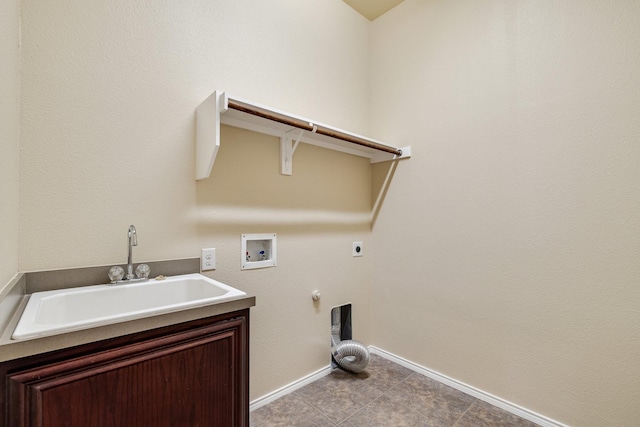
(372, 9)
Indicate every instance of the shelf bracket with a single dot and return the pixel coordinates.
(287, 148)
(208, 132)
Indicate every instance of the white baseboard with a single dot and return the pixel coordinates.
(289, 388)
(465, 388)
(470, 390)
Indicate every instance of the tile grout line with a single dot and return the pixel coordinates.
(518, 411)
(418, 375)
(383, 393)
(465, 412)
(359, 410)
(319, 410)
(386, 380)
(364, 405)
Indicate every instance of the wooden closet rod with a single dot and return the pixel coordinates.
(301, 124)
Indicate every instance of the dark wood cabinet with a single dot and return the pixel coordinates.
(192, 374)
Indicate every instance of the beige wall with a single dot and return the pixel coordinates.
(109, 94)
(317, 214)
(9, 137)
(507, 253)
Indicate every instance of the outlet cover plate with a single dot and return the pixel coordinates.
(357, 249)
(208, 259)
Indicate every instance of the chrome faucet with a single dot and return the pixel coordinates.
(133, 241)
(116, 273)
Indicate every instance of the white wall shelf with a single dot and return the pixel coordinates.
(220, 108)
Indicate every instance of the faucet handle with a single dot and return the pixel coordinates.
(116, 273)
(143, 271)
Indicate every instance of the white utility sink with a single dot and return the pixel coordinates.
(66, 310)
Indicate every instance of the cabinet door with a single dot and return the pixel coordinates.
(193, 378)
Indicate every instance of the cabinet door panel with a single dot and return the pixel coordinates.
(189, 379)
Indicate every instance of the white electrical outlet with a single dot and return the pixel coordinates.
(208, 259)
(357, 248)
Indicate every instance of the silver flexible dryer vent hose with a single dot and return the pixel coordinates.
(351, 355)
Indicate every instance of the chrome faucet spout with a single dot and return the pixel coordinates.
(117, 273)
(133, 241)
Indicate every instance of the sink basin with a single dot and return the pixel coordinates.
(66, 310)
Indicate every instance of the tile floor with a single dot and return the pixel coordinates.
(386, 394)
